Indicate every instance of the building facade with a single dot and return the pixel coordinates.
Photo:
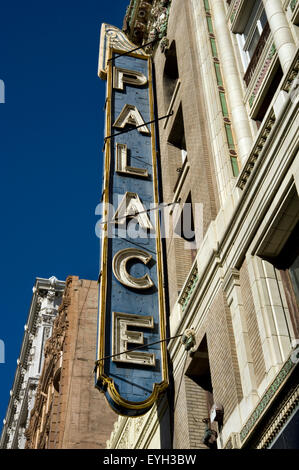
(226, 78)
(68, 412)
(47, 296)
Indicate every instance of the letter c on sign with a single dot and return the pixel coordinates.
(119, 266)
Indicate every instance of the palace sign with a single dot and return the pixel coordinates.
(131, 370)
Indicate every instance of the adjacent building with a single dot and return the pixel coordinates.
(68, 412)
(226, 80)
(47, 296)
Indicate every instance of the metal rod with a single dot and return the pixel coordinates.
(133, 50)
(134, 349)
(134, 214)
(137, 127)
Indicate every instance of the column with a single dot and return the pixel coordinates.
(233, 86)
(282, 35)
(233, 293)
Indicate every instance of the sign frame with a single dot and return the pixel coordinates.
(103, 381)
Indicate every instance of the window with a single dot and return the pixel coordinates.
(177, 137)
(270, 90)
(171, 74)
(288, 263)
(185, 225)
(250, 33)
(199, 371)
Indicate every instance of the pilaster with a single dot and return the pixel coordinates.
(232, 82)
(281, 31)
(234, 298)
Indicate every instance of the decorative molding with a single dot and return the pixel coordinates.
(47, 294)
(266, 399)
(292, 74)
(221, 92)
(265, 130)
(38, 424)
(132, 433)
(146, 21)
(113, 37)
(262, 74)
(234, 10)
(261, 139)
(280, 419)
(293, 4)
(258, 53)
(189, 288)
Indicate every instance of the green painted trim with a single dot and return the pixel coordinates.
(191, 290)
(235, 166)
(223, 101)
(229, 136)
(214, 47)
(268, 395)
(223, 104)
(272, 51)
(218, 74)
(210, 24)
(207, 5)
(293, 4)
(251, 100)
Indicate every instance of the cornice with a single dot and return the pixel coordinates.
(266, 132)
(52, 353)
(146, 20)
(265, 403)
(41, 288)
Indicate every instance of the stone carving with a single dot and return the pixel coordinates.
(53, 347)
(147, 21)
(112, 37)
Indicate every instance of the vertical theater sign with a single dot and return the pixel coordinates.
(131, 356)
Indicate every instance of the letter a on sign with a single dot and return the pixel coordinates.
(130, 115)
(131, 206)
(131, 355)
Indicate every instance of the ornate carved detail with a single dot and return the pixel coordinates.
(266, 129)
(262, 74)
(257, 54)
(234, 8)
(267, 398)
(258, 147)
(281, 417)
(53, 347)
(292, 74)
(112, 37)
(189, 288)
(147, 20)
(164, 45)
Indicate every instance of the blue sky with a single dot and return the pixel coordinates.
(51, 138)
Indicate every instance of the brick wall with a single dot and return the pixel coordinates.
(201, 177)
(225, 374)
(81, 417)
(190, 409)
